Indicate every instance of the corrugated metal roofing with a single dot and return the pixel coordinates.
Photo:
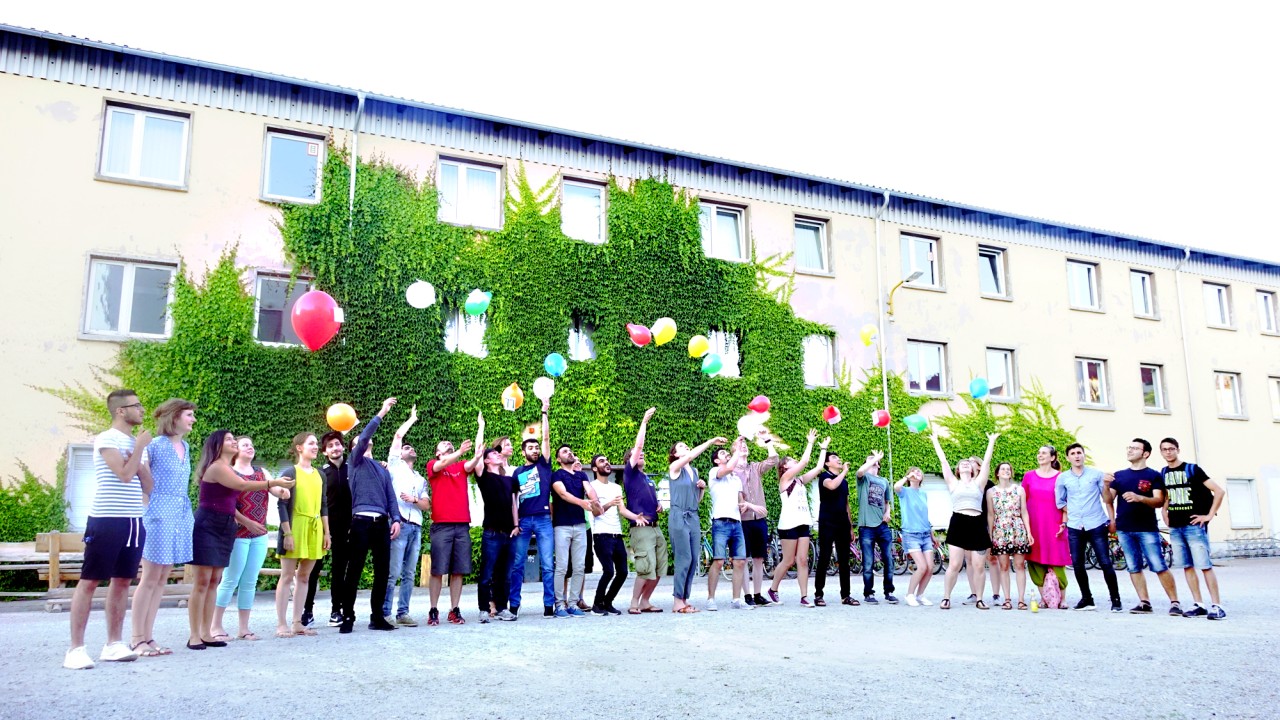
(122, 69)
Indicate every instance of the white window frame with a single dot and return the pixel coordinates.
(1001, 257)
(257, 302)
(912, 262)
(725, 344)
(1217, 306)
(1267, 317)
(1161, 399)
(321, 144)
(826, 346)
(714, 208)
(914, 347)
(937, 500)
(1236, 393)
(1242, 491)
(1010, 362)
(1147, 292)
(135, 161)
(582, 346)
(824, 245)
(1093, 276)
(1273, 384)
(453, 336)
(604, 208)
(499, 192)
(1104, 383)
(126, 298)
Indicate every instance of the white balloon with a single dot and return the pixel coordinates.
(544, 387)
(421, 294)
(751, 424)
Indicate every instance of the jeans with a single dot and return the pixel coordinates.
(247, 556)
(340, 532)
(837, 536)
(540, 526)
(612, 553)
(868, 538)
(1080, 540)
(368, 536)
(1190, 547)
(570, 540)
(402, 565)
(495, 564)
(686, 544)
(727, 540)
(1142, 549)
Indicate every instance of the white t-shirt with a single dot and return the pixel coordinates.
(608, 522)
(795, 507)
(724, 494)
(405, 479)
(113, 498)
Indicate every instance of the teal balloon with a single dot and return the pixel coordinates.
(555, 364)
(978, 388)
(477, 302)
(916, 423)
(711, 364)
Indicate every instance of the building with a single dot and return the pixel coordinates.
(121, 160)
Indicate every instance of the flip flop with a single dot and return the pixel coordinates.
(981, 605)
(223, 637)
(308, 632)
(146, 652)
(688, 610)
(284, 634)
(945, 604)
(250, 636)
(633, 611)
(1022, 605)
(651, 609)
(1008, 605)
(160, 649)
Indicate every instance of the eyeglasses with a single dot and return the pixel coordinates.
(135, 405)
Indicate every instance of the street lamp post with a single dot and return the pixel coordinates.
(887, 306)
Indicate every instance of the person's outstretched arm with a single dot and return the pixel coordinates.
(476, 463)
(393, 453)
(985, 470)
(679, 463)
(822, 459)
(947, 475)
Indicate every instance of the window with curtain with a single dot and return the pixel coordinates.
(469, 194)
(582, 211)
(1091, 383)
(811, 245)
(926, 367)
(144, 146)
(1152, 377)
(725, 344)
(292, 167)
(1000, 378)
(581, 345)
(722, 231)
(819, 361)
(128, 299)
(275, 309)
(1226, 386)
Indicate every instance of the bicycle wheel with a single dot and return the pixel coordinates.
(1090, 559)
(900, 559)
(1117, 556)
(705, 563)
(855, 559)
(939, 560)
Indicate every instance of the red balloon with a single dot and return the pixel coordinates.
(831, 415)
(315, 319)
(880, 418)
(640, 334)
(759, 404)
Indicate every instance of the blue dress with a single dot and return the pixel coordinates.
(168, 519)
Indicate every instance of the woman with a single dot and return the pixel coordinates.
(967, 537)
(304, 533)
(683, 522)
(214, 530)
(1007, 523)
(917, 533)
(250, 548)
(794, 520)
(1049, 552)
(167, 519)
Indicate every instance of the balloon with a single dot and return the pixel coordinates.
(316, 318)
(544, 387)
(868, 334)
(831, 414)
(711, 364)
(664, 330)
(978, 388)
(478, 302)
(916, 423)
(341, 417)
(420, 295)
(512, 397)
(752, 424)
(698, 346)
(880, 418)
(640, 334)
(554, 364)
(759, 404)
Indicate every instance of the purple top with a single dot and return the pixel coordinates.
(218, 497)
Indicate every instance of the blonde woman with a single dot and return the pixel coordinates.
(967, 537)
(795, 519)
(304, 534)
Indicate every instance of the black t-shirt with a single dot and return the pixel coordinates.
(337, 492)
(1135, 516)
(496, 491)
(1187, 495)
(534, 481)
(833, 505)
(564, 512)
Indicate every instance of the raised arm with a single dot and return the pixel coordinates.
(985, 470)
(789, 476)
(126, 469)
(638, 448)
(817, 468)
(679, 463)
(873, 459)
(476, 463)
(546, 429)
(947, 475)
(393, 453)
(451, 458)
(366, 435)
(833, 483)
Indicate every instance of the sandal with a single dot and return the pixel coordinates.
(300, 631)
(981, 605)
(634, 611)
(688, 610)
(945, 604)
(251, 635)
(1022, 605)
(651, 609)
(221, 637)
(148, 651)
(1008, 604)
(284, 633)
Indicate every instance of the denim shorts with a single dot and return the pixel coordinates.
(917, 541)
(1190, 547)
(727, 540)
(1142, 549)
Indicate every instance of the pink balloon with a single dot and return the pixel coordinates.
(315, 319)
(759, 404)
(880, 418)
(640, 334)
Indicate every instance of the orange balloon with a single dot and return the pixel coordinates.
(341, 417)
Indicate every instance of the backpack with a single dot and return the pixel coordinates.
(1051, 591)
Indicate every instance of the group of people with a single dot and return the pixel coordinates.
(357, 509)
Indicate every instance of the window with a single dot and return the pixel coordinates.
(1002, 383)
(469, 194)
(292, 167)
(1275, 397)
(921, 254)
(722, 232)
(1226, 387)
(725, 344)
(1217, 304)
(275, 309)
(1152, 387)
(926, 367)
(1082, 285)
(145, 146)
(581, 344)
(582, 211)
(465, 333)
(128, 299)
(811, 246)
(1091, 383)
(1242, 503)
(1267, 312)
(991, 272)
(81, 485)
(1142, 284)
(938, 499)
(819, 361)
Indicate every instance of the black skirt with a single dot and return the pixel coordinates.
(212, 537)
(968, 532)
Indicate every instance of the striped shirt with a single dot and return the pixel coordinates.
(114, 498)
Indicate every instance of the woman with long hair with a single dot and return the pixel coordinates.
(304, 533)
(1008, 523)
(795, 518)
(917, 533)
(683, 522)
(214, 531)
(1050, 552)
(967, 537)
(167, 519)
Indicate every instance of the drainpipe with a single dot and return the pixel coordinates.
(355, 160)
(880, 300)
(1186, 351)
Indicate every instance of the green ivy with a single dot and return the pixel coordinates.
(29, 505)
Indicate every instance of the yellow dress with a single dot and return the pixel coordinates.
(307, 499)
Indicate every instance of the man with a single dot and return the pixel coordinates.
(113, 534)
(727, 539)
(375, 522)
(875, 506)
(1192, 501)
(534, 479)
(451, 522)
(755, 523)
(835, 527)
(1138, 491)
(501, 525)
(338, 498)
(573, 495)
(1079, 492)
(648, 545)
(406, 548)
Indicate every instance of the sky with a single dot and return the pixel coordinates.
(1141, 118)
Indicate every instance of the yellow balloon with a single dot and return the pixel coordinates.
(664, 331)
(868, 334)
(512, 397)
(698, 346)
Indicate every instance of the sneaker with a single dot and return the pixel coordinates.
(560, 613)
(749, 599)
(1217, 613)
(924, 601)
(819, 602)
(1175, 609)
(889, 598)
(77, 658)
(583, 606)
(455, 617)
(773, 598)
(870, 600)
(599, 610)
(433, 617)
(506, 615)
(911, 600)
(346, 626)
(995, 599)
(381, 624)
(762, 602)
(711, 605)
(613, 610)
(741, 605)
(970, 600)
(308, 619)
(1085, 605)
(1196, 610)
(804, 602)
(515, 612)
(335, 619)
(575, 612)
(850, 601)
(483, 617)
(117, 652)
(1142, 608)
(1116, 607)
(406, 621)
(548, 611)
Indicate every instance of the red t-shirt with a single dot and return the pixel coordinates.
(449, 502)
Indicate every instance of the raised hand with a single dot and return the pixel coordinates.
(719, 441)
(811, 436)
(386, 406)
(825, 442)
(413, 413)
(876, 456)
(465, 446)
(649, 413)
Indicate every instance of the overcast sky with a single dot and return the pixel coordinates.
(1132, 117)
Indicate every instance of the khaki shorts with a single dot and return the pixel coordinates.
(649, 552)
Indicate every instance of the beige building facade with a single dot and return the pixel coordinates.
(121, 162)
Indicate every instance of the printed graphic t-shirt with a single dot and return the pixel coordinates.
(534, 480)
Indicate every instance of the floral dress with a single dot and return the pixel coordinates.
(1010, 536)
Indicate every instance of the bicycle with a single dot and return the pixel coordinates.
(940, 557)
(708, 556)
(1118, 561)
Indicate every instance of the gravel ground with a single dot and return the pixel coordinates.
(837, 662)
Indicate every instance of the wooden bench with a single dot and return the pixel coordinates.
(63, 555)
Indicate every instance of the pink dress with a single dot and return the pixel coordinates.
(1046, 518)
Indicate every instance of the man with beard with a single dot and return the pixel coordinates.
(573, 495)
(534, 481)
(411, 491)
(338, 497)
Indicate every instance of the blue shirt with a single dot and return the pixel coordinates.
(915, 510)
(563, 512)
(534, 480)
(1081, 495)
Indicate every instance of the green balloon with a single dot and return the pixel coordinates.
(711, 364)
(916, 423)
